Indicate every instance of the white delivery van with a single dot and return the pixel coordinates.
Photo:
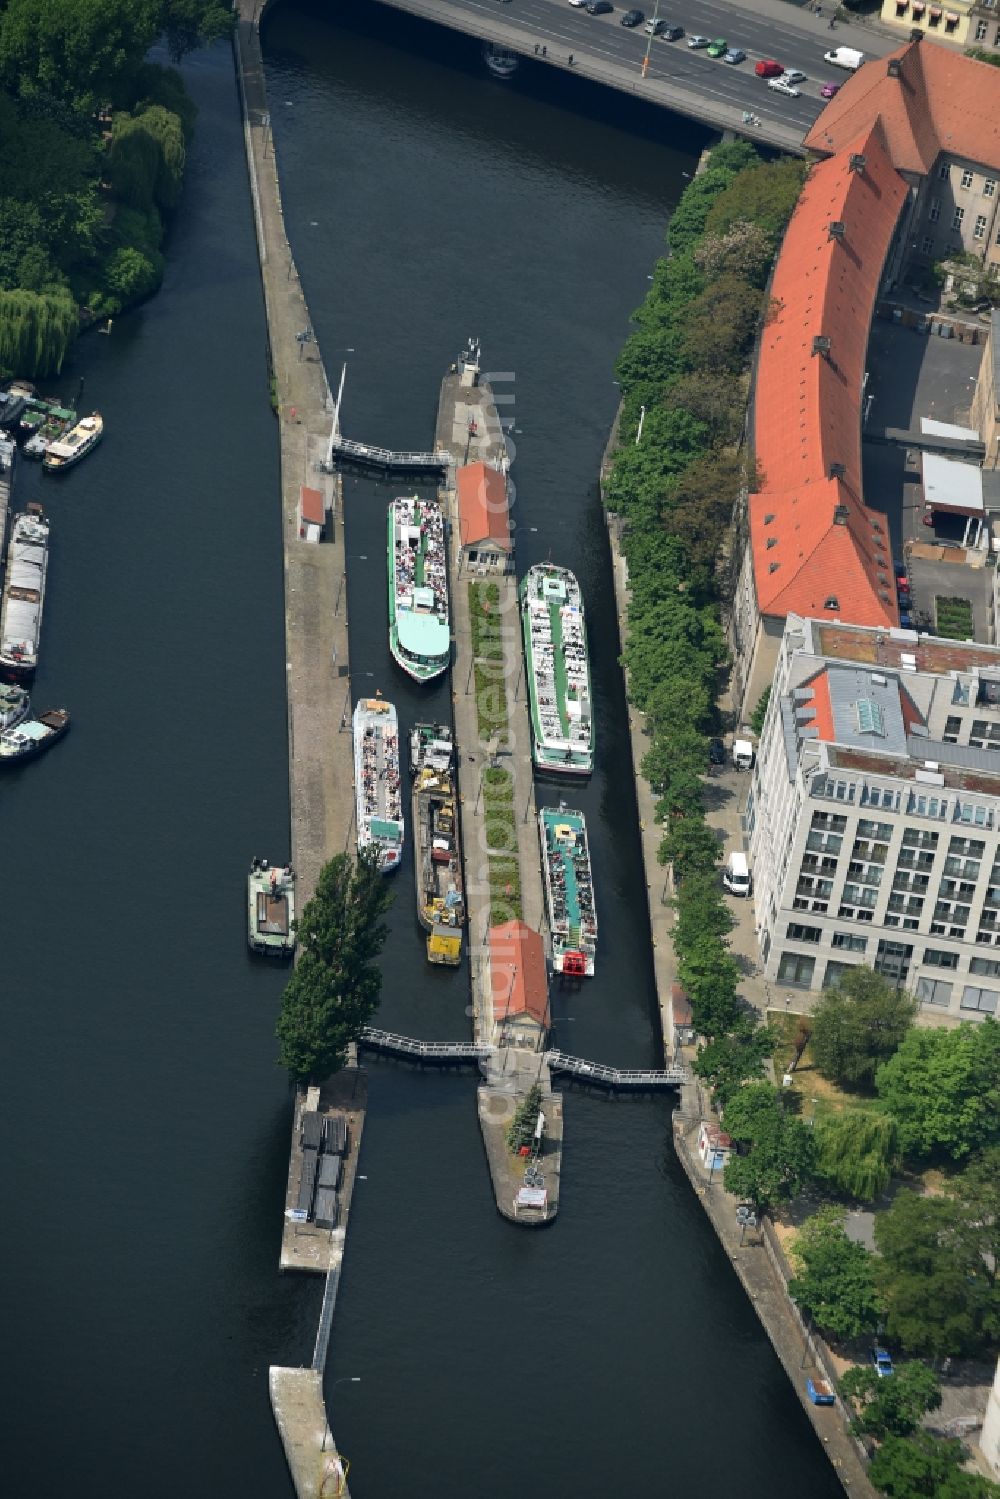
(844, 57)
(742, 754)
(736, 875)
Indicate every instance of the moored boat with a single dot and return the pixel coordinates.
(436, 854)
(32, 736)
(419, 628)
(271, 909)
(57, 421)
(74, 445)
(377, 789)
(24, 593)
(15, 705)
(558, 667)
(569, 890)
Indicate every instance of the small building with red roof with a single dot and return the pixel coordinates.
(484, 531)
(519, 986)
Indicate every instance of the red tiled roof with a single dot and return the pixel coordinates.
(941, 101)
(483, 513)
(822, 708)
(813, 537)
(312, 506)
(518, 976)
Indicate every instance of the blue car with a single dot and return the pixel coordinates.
(881, 1362)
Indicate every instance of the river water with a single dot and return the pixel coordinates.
(146, 1123)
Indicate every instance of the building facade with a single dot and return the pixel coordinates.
(873, 818)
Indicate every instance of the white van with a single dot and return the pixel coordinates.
(844, 57)
(742, 754)
(736, 875)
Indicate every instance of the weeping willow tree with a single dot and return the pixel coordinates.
(856, 1152)
(147, 157)
(36, 329)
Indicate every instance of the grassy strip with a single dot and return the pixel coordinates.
(491, 705)
(953, 618)
(487, 640)
(505, 890)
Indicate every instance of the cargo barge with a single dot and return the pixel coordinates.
(569, 890)
(436, 854)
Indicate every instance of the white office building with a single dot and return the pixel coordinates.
(873, 819)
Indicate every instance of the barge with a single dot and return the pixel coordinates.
(436, 854)
(24, 593)
(419, 627)
(377, 788)
(271, 909)
(569, 890)
(558, 667)
(32, 737)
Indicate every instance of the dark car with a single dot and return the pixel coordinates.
(716, 752)
(633, 18)
(600, 8)
(672, 33)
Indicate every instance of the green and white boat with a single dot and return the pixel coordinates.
(569, 890)
(271, 909)
(419, 628)
(558, 665)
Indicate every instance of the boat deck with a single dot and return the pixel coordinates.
(555, 639)
(571, 892)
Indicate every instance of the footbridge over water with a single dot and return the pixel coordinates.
(414, 1050)
(621, 1079)
(369, 455)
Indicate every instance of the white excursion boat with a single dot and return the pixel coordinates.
(24, 592)
(419, 630)
(569, 890)
(555, 648)
(76, 444)
(377, 787)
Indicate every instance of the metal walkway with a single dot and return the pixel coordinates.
(615, 1077)
(326, 1314)
(367, 456)
(423, 1051)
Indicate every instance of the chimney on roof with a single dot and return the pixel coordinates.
(837, 470)
(821, 344)
(840, 514)
(838, 229)
(894, 68)
(858, 161)
(916, 35)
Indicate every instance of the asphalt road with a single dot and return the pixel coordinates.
(798, 42)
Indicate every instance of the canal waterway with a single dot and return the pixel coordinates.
(145, 1121)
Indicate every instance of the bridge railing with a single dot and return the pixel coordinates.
(616, 1077)
(386, 458)
(411, 1046)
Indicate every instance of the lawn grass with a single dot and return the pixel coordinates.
(815, 1094)
(505, 889)
(487, 638)
(498, 806)
(953, 618)
(491, 705)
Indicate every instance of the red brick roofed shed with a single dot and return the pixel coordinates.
(818, 550)
(483, 512)
(518, 974)
(928, 100)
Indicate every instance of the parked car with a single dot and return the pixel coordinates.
(671, 33)
(735, 55)
(578, 3)
(716, 752)
(782, 86)
(633, 18)
(829, 89)
(699, 41)
(599, 7)
(718, 48)
(881, 1362)
(768, 68)
(905, 620)
(793, 75)
(654, 28)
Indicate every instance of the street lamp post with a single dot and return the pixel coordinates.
(649, 39)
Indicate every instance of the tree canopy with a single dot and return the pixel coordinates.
(835, 1279)
(333, 992)
(777, 1150)
(856, 1151)
(857, 1025)
(943, 1089)
(890, 1407)
(922, 1466)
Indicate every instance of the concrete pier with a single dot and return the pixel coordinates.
(315, 1465)
(305, 1246)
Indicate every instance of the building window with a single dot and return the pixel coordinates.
(934, 992)
(935, 210)
(835, 972)
(869, 829)
(996, 39)
(892, 960)
(983, 1000)
(939, 957)
(952, 729)
(796, 969)
(797, 933)
(944, 172)
(984, 735)
(980, 230)
(957, 217)
(981, 29)
(849, 941)
(987, 968)
(934, 20)
(967, 178)
(989, 183)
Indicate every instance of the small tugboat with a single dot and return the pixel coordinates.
(271, 909)
(15, 705)
(77, 443)
(24, 593)
(377, 789)
(57, 420)
(419, 632)
(436, 855)
(32, 736)
(558, 666)
(569, 890)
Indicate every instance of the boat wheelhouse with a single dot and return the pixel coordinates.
(377, 788)
(15, 704)
(32, 737)
(24, 593)
(436, 853)
(569, 890)
(271, 909)
(419, 627)
(558, 666)
(76, 444)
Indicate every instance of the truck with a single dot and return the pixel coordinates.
(844, 57)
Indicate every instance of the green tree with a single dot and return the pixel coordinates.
(522, 1127)
(764, 195)
(734, 1058)
(334, 990)
(890, 1407)
(188, 24)
(835, 1281)
(82, 52)
(36, 329)
(925, 1467)
(779, 1149)
(701, 912)
(856, 1151)
(720, 324)
(760, 712)
(858, 1024)
(689, 845)
(744, 249)
(943, 1089)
